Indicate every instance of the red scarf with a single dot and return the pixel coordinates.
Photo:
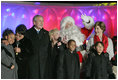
(80, 56)
(104, 40)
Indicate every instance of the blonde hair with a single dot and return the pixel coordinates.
(51, 32)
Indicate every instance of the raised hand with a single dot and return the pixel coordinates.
(84, 18)
(64, 40)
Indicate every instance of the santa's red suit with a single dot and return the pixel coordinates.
(86, 32)
(76, 33)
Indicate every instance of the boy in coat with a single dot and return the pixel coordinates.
(69, 67)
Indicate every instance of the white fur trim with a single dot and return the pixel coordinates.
(73, 33)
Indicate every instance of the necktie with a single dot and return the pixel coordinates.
(37, 32)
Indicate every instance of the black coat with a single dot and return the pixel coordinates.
(54, 58)
(114, 60)
(69, 66)
(98, 66)
(37, 60)
(22, 57)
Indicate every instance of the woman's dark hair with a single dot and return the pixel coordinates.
(6, 32)
(101, 25)
(21, 29)
(96, 44)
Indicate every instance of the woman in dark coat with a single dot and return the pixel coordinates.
(22, 58)
(23, 50)
(56, 47)
(98, 65)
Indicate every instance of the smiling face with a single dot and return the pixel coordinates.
(72, 46)
(68, 25)
(19, 36)
(98, 30)
(38, 22)
(99, 48)
(11, 38)
(56, 35)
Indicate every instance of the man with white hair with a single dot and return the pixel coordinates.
(69, 30)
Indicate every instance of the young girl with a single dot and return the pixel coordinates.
(8, 64)
(98, 64)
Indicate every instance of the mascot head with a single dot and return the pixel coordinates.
(88, 21)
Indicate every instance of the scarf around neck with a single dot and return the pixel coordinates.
(104, 40)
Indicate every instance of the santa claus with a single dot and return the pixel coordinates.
(69, 30)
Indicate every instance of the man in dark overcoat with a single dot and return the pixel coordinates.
(39, 38)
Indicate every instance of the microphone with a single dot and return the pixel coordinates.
(59, 39)
(17, 44)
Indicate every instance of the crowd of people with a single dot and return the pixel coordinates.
(58, 54)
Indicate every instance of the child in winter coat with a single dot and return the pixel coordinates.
(69, 62)
(98, 65)
(8, 64)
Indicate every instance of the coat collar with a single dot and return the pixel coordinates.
(9, 48)
(41, 33)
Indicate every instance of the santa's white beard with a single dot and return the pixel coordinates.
(73, 33)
